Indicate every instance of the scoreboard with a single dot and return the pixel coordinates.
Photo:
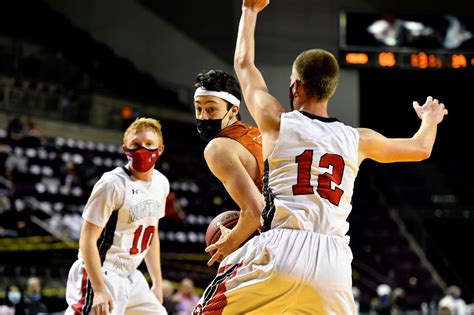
(424, 60)
(402, 41)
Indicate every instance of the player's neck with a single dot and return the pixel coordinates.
(147, 176)
(316, 108)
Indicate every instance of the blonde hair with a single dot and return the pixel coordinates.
(143, 123)
(318, 70)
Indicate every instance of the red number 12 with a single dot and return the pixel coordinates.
(303, 186)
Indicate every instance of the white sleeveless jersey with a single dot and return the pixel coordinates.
(128, 209)
(310, 175)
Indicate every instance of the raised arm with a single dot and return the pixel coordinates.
(373, 145)
(263, 107)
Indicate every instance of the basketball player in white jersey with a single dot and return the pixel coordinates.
(301, 263)
(120, 229)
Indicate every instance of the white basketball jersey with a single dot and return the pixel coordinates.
(128, 209)
(310, 175)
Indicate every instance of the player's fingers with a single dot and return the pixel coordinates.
(416, 105)
(210, 248)
(111, 305)
(224, 229)
(213, 259)
(98, 309)
(429, 99)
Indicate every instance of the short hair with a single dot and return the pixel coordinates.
(143, 123)
(318, 70)
(453, 290)
(219, 81)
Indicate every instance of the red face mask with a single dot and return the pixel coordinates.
(142, 159)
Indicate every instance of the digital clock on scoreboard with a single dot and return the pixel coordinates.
(406, 41)
(407, 60)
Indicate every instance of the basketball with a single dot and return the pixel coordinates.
(227, 218)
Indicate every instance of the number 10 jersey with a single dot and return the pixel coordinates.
(128, 209)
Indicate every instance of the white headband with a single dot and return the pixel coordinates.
(224, 95)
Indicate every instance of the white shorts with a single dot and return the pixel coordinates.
(131, 295)
(283, 271)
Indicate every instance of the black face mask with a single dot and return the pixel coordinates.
(209, 128)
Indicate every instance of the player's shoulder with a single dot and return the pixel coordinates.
(115, 177)
(221, 147)
(160, 177)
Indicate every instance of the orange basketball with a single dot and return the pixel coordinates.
(227, 218)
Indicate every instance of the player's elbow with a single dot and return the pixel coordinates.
(240, 63)
(422, 153)
(425, 153)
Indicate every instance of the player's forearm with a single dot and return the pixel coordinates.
(249, 222)
(245, 47)
(153, 261)
(92, 264)
(425, 137)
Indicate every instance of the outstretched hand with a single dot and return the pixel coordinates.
(255, 5)
(432, 109)
(223, 247)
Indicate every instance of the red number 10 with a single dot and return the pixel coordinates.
(303, 186)
(147, 234)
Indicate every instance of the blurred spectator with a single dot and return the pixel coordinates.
(186, 297)
(13, 304)
(15, 130)
(32, 130)
(168, 300)
(383, 304)
(174, 213)
(453, 302)
(33, 299)
(399, 302)
(32, 136)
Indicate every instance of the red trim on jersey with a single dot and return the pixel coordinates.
(78, 306)
(215, 304)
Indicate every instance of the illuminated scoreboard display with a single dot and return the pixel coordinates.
(406, 60)
(406, 41)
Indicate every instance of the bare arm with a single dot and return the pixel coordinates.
(153, 264)
(375, 146)
(263, 107)
(225, 164)
(90, 233)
